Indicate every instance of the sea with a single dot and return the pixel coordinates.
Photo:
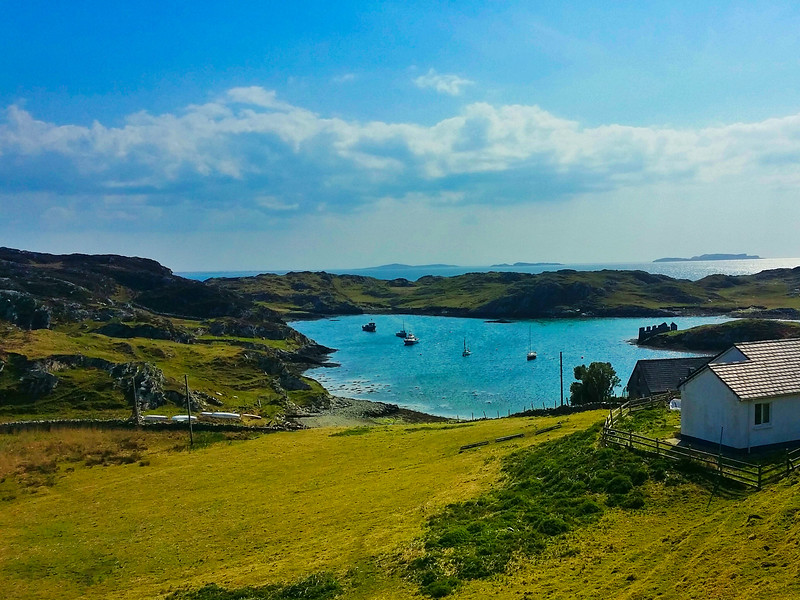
(496, 379)
(692, 270)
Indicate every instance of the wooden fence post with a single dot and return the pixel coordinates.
(759, 477)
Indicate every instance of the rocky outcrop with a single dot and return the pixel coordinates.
(543, 298)
(23, 310)
(35, 379)
(148, 379)
(163, 331)
(270, 330)
(273, 366)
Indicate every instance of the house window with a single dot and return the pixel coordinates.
(762, 413)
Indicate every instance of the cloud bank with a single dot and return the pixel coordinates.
(248, 159)
(443, 84)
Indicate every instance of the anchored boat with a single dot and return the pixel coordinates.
(411, 339)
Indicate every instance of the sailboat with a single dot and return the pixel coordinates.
(531, 353)
(402, 333)
(466, 351)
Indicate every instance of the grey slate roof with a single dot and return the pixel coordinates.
(664, 374)
(772, 369)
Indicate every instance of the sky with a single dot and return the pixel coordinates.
(335, 135)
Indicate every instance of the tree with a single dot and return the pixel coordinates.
(595, 383)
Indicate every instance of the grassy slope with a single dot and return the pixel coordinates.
(286, 505)
(212, 367)
(278, 507)
(683, 547)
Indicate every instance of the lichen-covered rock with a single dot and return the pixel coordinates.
(37, 383)
(149, 381)
(23, 310)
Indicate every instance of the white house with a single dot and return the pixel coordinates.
(747, 396)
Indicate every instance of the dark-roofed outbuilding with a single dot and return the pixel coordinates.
(661, 375)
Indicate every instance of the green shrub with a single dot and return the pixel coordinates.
(454, 537)
(320, 586)
(553, 526)
(619, 484)
(633, 499)
(441, 587)
(547, 491)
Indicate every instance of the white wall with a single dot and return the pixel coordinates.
(707, 405)
(732, 354)
(784, 425)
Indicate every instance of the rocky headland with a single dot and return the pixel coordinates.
(719, 337)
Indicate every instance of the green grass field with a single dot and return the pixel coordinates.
(356, 504)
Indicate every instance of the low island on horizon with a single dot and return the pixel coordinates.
(709, 257)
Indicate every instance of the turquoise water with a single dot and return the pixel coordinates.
(496, 379)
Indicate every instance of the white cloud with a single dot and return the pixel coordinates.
(257, 96)
(277, 159)
(344, 78)
(443, 84)
(273, 203)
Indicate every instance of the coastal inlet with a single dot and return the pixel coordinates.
(496, 378)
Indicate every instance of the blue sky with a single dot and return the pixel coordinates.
(312, 135)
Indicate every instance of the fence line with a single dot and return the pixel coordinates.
(751, 474)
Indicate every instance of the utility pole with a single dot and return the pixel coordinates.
(561, 372)
(189, 410)
(136, 413)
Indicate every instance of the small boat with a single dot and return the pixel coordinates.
(410, 339)
(222, 415)
(402, 333)
(184, 418)
(531, 353)
(369, 326)
(466, 351)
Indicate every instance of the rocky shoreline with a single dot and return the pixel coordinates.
(351, 412)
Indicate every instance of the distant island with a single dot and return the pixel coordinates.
(527, 264)
(402, 266)
(709, 257)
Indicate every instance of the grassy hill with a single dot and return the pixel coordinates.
(564, 293)
(359, 505)
(78, 333)
(719, 337)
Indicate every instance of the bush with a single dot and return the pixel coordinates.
(553, 526)
(454, 537)
(619, 484)
(588, 507)
(633, 499)
(441, 587)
